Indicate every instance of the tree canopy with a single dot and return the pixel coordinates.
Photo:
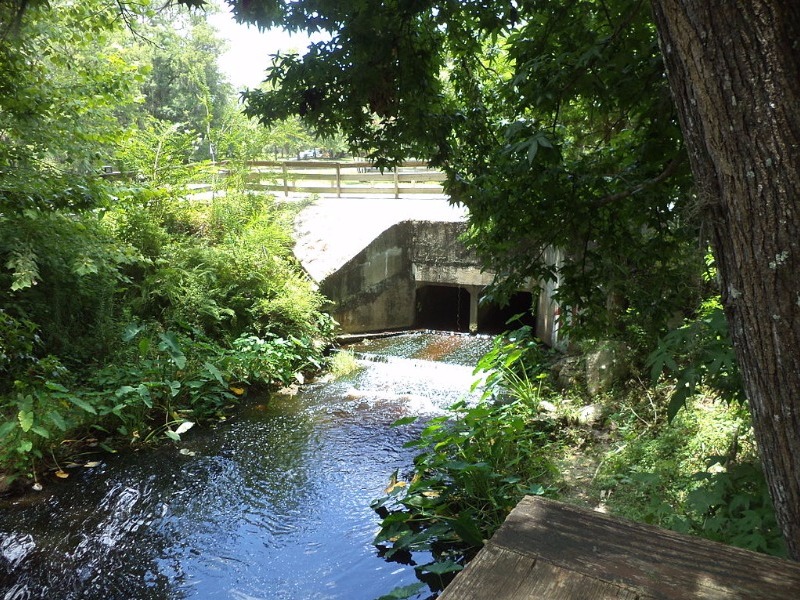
(553, 121)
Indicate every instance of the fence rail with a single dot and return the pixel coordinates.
(321, 177)
(328, 177)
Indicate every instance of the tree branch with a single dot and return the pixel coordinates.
(668, 171)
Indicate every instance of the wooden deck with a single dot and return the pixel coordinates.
(552, 551)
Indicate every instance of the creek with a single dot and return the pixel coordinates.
(271, 504)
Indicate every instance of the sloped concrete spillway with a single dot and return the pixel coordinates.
(398, 264)
(271, 505)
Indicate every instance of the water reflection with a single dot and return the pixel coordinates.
(273, 504)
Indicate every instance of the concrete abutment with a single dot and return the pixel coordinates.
(416, 274)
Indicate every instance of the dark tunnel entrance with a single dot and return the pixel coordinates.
(493, 318)
(442, 307)
(447, 308)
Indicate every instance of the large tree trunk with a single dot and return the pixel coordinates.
(734, 70)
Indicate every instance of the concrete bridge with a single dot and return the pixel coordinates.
(389, 263)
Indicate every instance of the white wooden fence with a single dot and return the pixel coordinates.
(345, 178)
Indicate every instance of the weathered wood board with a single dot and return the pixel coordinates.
(553, 551)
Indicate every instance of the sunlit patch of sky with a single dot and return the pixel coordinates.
(249, 49)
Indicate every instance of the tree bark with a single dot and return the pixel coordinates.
(734, 71)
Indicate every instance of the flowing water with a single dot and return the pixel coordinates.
(272, 504)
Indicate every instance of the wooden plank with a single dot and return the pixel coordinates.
(502, 574)
(661, 564)
(493, 573)
(549, 581)
(345, 190)
(367, 177)
(428, 189)
(421, 176)
(317, 164)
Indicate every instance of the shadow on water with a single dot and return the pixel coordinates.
(273, 504)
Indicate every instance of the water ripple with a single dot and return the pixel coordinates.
(273, 504)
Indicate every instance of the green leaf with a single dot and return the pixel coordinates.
(57, 420)
(533, 148)
(124, 390)
(56, 387)
(25, 271)
(215, 372)
(534, 490)
(7, 428)
(543, 141)
(25, 418)
(440, 568)
(84, 266)
(467, 530)
(683, 390)
(406, 591)
(170, 344)
(131, 331)
(40, 431)
(144, 394)
(82, 404)
(404, 421)
(172, 435)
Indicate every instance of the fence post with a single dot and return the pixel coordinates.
(396, 184)
(285, 181)
(338, 180)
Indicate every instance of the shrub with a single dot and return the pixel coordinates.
(474, 466)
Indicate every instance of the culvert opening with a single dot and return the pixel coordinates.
(493, 318)
(447, 308)
(442, 307)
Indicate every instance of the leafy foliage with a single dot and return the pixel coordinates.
(50, 80)
(698, 355)
(160, 377)
(124, 302)
(275, 359)
(475, 464)
(697, 473)
(733, 506)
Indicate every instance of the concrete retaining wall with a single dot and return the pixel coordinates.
(376, 289)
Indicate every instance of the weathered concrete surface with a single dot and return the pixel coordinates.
(439, 257)
(333, 230)
(376, 289)
(369, 255)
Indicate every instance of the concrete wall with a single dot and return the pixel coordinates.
(439, 257)
(376, 289)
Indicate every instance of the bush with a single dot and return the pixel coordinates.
(63, 275)
(697, 474)
(215, 292)
(224, 267)
(474, 465)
